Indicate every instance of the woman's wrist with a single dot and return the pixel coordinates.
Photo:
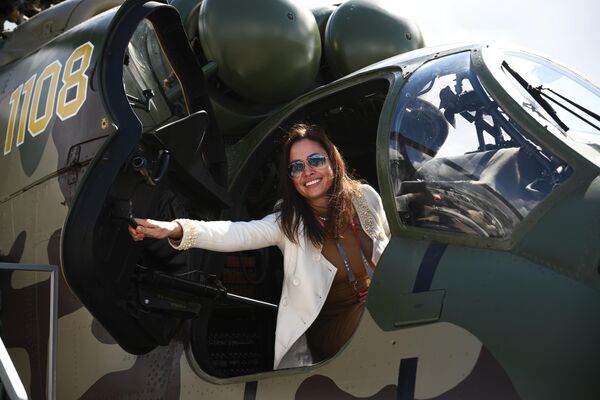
(176, 233)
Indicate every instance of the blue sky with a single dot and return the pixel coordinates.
(565, 31)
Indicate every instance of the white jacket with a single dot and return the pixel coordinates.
(307, 274)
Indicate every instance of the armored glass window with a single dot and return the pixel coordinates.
(153, 90)
(459, 163)
(575, 100)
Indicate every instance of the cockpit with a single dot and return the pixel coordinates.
(458, 161)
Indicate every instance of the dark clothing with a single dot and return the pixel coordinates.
(341, 312)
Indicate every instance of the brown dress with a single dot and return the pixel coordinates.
(342, 310)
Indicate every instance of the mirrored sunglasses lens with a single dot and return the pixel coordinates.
(316, 160)
(295, 168)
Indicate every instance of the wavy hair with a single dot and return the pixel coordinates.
(295, 212)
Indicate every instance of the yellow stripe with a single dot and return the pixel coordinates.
(38, 125)
(28, 91)
(77, 79)
(15, 98)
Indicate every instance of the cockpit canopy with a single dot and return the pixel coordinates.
(458, 161)
(574, 100)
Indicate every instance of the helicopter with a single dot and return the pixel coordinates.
(486, 158)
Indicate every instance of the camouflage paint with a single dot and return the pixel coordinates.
(82, 360)
(153, 376)
(447, 355)
(28, 313)
(488, 380)
(34, 160)
(451, 361)
(33, 218)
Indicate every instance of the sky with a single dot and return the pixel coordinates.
(567, 31)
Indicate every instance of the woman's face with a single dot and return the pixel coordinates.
(312, 183)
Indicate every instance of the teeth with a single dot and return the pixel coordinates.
(314, 181)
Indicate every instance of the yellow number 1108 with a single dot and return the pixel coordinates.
(74, 85)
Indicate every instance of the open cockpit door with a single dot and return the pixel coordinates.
(165, 160)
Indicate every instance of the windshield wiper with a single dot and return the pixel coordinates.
(537, 95)
(571, 102)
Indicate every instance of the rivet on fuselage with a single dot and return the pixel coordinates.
(104, 123)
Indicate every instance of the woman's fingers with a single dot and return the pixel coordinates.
(153, 229)
(144, 228)
(149, 223)
(135, 235)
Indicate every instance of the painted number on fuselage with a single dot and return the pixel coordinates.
(74, 86)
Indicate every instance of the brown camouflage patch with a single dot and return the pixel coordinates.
(101, 334)
(322, 387)
(155, 375)
(28, 327)
(28, 313)
(488, 380)
(67, 301)
(16, 251)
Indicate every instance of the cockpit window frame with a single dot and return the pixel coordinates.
(580, 165)
(487, 61)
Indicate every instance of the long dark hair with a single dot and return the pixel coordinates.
(294, 208)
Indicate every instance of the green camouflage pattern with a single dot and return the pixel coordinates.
(509, 321)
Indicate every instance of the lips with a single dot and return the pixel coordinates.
(313, 182)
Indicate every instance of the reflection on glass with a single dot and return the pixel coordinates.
(153, 89)
(560, 87)
(458, 162)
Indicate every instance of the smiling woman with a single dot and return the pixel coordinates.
(325, 189)
(331, 230)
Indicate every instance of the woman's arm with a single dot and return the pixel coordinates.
(213, 235)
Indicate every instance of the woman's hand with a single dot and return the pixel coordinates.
(155, 229)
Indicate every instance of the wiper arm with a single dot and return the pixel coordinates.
(536, 94)
(592, 114)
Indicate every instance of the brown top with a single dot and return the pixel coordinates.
(342, 309)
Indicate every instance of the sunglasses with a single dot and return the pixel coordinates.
(315, 160)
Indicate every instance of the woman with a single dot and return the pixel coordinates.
(331, 230)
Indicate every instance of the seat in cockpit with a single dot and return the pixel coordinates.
(510, 171)
(470, 187)
(422, 131)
